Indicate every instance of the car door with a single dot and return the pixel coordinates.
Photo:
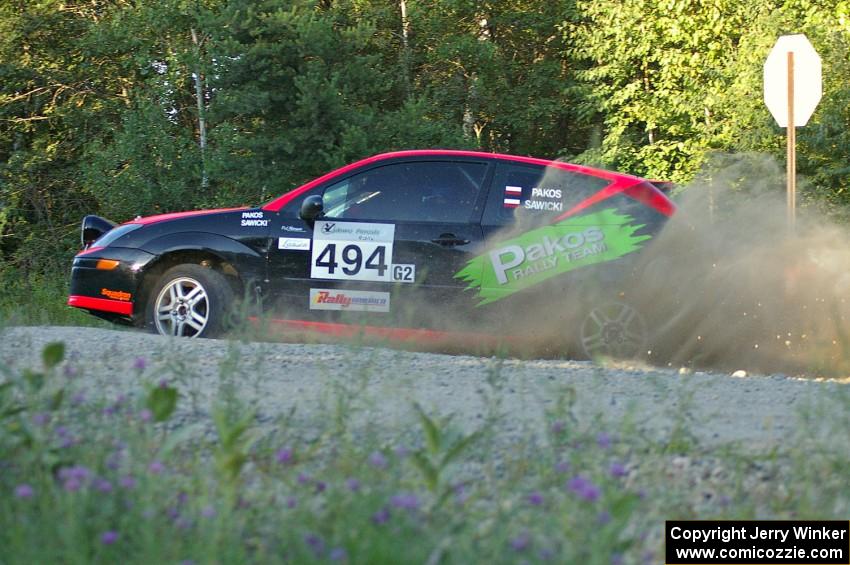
(387, 247)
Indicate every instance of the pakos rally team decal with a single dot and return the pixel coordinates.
(545, 252)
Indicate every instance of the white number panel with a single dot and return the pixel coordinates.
(352, 251)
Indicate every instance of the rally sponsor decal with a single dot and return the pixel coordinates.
(545, 252)
(293, 243)
(296, 229)
(352, 251)
(350, 300)
(116, 294)
(254, 220)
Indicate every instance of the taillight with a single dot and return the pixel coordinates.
(650, 196)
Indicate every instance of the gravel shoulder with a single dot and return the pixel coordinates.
(757, 412)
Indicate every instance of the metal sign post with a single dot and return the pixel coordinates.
(792, 147)
(792, 90)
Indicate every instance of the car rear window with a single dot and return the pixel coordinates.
(536, 192)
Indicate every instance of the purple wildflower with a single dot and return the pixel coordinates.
(291, 502)
(583, 488)
(535, 499)
(40, 419)
(140, 363)
(73, 477)
(617, 559)
(405, 500)
(109, 537)
(521, 542)
(461, 494)
(78, 399)
(208, 511)
(145, 416)
(102, 485)
(558, 427)
(68, 442)
(381, 517)
(303, 479)
(284, 456)
(127, 482)
(163, 383)
(546, 554)
(315, 543)
(618, 470)
(70, 371)
(24, 491)
(62, 431)
(603, 440)
(563, 466)
(377, 460)
(401, 451)
(603, 517)
(321, 486)
(338, 554)
(114, 460)
(156, 467)
(352, 484)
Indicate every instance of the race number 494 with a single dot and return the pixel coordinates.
(352, 251)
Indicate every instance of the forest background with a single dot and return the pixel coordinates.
(137, 107)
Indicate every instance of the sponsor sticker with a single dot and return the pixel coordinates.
(351, 300)
(295, 229)
(116, 294)
(293, 243)
(540, 254)
(352, 251)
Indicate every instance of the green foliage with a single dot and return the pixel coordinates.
(162, 401)
(440, 451)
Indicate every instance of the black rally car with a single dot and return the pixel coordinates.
(435, 239)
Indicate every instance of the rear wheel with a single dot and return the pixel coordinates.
(613, 329)
(189, 301)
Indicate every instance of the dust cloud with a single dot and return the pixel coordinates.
(728, 284)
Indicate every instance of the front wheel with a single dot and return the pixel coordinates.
(189, 301)
(613, 329)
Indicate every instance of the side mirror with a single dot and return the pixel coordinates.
(93, 227)
(312, 208)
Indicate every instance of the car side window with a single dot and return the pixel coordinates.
(422, 191)
(535, 192)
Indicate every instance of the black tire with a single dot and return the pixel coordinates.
(192, 301)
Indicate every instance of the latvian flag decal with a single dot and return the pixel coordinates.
(512, 196)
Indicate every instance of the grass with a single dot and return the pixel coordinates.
(39, 300)
(109, 479)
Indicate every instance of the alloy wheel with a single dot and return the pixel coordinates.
(182, 308)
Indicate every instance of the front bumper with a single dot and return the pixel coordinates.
(113, 292)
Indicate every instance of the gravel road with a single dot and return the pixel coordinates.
(380, 385)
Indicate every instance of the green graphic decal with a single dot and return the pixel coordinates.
(545, 252)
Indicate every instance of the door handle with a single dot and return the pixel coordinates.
(449, 239)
